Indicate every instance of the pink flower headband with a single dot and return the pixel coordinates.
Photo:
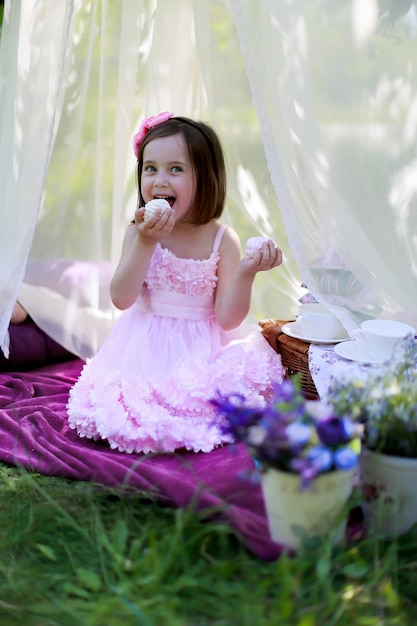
(145, 127)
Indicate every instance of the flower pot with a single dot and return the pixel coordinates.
(313, 511)
(389, 487)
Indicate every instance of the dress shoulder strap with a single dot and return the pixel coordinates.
(218, 238)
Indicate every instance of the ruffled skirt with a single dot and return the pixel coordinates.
(148, 388)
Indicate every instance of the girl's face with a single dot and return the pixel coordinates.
(167, 173)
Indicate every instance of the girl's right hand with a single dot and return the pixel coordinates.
(156, 227)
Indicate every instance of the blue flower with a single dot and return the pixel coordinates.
(345, 458)
(321, 457)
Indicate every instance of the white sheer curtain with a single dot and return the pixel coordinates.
(335, 88)
(333, 85)
(28, 104)
(122, 61)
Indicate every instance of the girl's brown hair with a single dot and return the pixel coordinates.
(207, 160)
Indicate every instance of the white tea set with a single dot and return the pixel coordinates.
(374, 341)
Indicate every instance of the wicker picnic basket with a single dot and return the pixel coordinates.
(294, 354)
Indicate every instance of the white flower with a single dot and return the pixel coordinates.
(393, 389)
(298, 433)
(256, 436)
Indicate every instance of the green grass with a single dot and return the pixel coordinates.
(80, 554)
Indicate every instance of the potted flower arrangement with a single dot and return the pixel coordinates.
(305, 458)
(386, 404)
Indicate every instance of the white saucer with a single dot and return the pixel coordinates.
(348, 350)
(291, 330)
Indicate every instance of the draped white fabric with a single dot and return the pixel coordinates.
(28, 103)
(335, 88)
(327, 148)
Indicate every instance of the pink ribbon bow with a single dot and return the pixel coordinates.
(145, 127)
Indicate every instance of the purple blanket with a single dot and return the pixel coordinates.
(34, 434)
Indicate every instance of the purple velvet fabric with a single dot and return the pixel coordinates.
(31, 347)
(34, 434)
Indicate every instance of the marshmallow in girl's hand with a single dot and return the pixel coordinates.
(154, 205)
(253, 244)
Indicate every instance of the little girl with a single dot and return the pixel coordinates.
(187, 292)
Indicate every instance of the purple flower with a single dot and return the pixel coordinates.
(334, 431)
(307, 470)
(317, 460)
(284, 392)
(238, 416)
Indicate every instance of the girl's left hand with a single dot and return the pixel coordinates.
(266, 258)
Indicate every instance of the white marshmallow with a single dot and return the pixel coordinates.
(253, 244)
(154, 205)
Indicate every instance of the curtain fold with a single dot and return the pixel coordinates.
(30, 82)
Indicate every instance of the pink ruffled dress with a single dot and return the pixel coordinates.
(148, 387)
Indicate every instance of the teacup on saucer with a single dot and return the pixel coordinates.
(382, 340)
(314, 320)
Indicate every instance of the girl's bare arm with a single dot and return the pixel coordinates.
(137, 250)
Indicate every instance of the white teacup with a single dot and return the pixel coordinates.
(315, 321)
(382, 339)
